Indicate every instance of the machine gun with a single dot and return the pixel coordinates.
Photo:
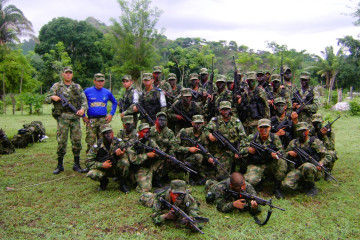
(211, 103)
(225, 142)
(181, 113)
(270, 96)
(329, 124)
(304, 155)
(189, 220)
(112, 157)
(236, 82)
(203, 150)
(144, 114)
(168, 156)
(282, 69)
(65, 102)
(261, 148)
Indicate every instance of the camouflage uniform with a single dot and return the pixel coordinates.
(122, 133)
(224, 200)
(197, 95)
(68, 120)
(130, 98)
(144, 165)
(233, 130)
(173, 93)
(30, 133)
(225, 95)
(162, 84)
(261, 164)
(305, 171)
(281, 92)
(6, 147)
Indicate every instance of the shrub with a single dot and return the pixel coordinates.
(354, 107)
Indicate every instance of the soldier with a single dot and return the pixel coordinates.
(128, 133)
(281, 124)
(261, 163)
(253, 105)
(97, 98)
(152, 98)
(288, 83)
(130, 98)
(143, 160)
(222, 94)
(106, 159)
(181, 112)
(165, 139)
(67, 120)
(260, 77)
(204, 79)
(158, 83)
(199, 94)
(191, 154)
(230, 84)
(225, 202)
(6, 147)
(232, 129)
(175, 88)
(309, 96)
(268, 77)
(327, 136)
(278, 91)
(305, 173)
(176, 195)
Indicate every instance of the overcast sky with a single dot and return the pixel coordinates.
(304, 25)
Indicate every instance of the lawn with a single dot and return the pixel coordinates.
(68, 205)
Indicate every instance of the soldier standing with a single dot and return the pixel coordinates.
(67, 120)
(288, 84)
(199, 94)
(97, 98)
(278, 91)
(175, 88)
(131, 97)
(158, 82)
(107, 159)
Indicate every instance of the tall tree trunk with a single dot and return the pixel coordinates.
(332, 81)
(351, 93)
(13, 102)
(20, 90)
(4, 96)
(339, 92)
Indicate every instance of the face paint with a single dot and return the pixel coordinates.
(230, 86)
(203, 77)
(172, 82)
(276, 85)
(264, 132)
(220, 85)
(177, 198)
(129, 127)
(225, 113)
(144, 134)
(198, 126)
(251, 83)
(304, 83)
(317, 125)
(302, 135)
(108, 136)
(280, 109)
(287, 76)
(161, 121)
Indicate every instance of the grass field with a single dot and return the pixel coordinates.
(71, 208)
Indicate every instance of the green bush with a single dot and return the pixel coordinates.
(354, 107)
(1, 107)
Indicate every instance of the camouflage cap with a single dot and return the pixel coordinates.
(204, 71)
(128, 119)
(105, 127)
(157, 69)
(267, 72)
(264, 122)
(198, 119)
(259, 72)
(305, 75)
(142, 126)
(193, 76)
(161, 114)
(317, 118)
(279, 100)
(178, 186)
(286, 68)
(275, 78)
(220, 78)
(126, 77)
(99, 77)
(251, 75)
(186, 92)
(230, 80)
(67, 69)
(225, 104)
(147, 76)
(302, 126)
(171, 76)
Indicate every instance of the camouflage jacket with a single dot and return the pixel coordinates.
(328, 140)
(138, 154)
(153, 101)
(183, 145)
(188, 205)
(312, 107)
(164, 139)
(224, 200)
(6, 147)
(249, 97)
(127, 137)
(163, 85)
(131, 97)
(193, 109)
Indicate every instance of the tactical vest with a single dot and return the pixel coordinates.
(192, 111)
(309, 150)
(256, 105)
(265, 156)
(152, 106)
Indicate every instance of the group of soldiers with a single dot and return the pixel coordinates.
(234, 135)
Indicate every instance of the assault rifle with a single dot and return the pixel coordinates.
(120, 103)
(203, 150)
(181, 113)
(261, 148)
(112, 157)
(145, 114)
(270, 96)
(304, 155)
(248, 196)
(282, 69)
(225, 142)
(189, 220)
(329, 124)
(194, 93)
(236, 82)
(211, 103)
(65, 102)
(168, 156)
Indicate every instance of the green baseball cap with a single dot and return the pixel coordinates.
(305, 75)
(171, 76)
(186, 92)
(157, 69)
(220, 78)
(105, 127)
(99, 77)
(67, 69)
(126, 77)
(302, 126)
(275, 77)
(142, 126)
(225, 104)
(128, 119)
(260, 72)
(204, 71)
(279, 100)
(178, 186)
(193, 76)
(317, 118)
(251, 75)
(147, 76)
(264, 122)
(286, 68)
(198, 119)
(161, 114)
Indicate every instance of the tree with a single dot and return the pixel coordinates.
(13, 24)
(135, 36)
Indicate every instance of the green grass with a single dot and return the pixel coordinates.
(71, 208)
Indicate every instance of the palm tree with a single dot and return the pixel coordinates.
(13, 24)
(328, 66)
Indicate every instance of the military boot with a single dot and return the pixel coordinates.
(123, 187)
(311, 189)
(277, 190)
(60, 167)
(76, 166)
(103, 184)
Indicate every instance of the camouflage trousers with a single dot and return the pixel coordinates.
(276, 168)
(144, 179)
(226, 159)
(64, 126)
(93, 131)
(121, 171)
(334, 157)
(307, 172)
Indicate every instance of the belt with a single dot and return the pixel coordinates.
(97, 117)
